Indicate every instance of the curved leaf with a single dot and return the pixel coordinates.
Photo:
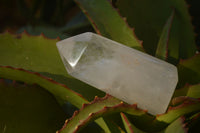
(186, 105)
(28, 108)
(113, 125)
(194, 123)
(162, 48)
(177, 126)
(48, 31)
(181, 91)
(108, 105)
(148, 18)
(188, 71)
(97, 108)
(107, 22)
(194, 91)
(34, 53)
(188, 90)
(60, 91)
(39, 54)
(130, 128)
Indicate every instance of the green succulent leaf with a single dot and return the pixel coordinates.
(194, 123)
(188, 90)
(28, 108)
(194, 91)
(34, 53)
(142, 120)
(113, 125)
(189, 71)
(130, 128)
(48, 31)
(110, 24)
(98, 107)
(40, 54)
(162, 48)
(21, 53)
(178, 126)
(148, 18)
(185, 105)
(181, 91)
(60, 91)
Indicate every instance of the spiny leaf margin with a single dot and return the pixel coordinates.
(103, 106)
(162, 47)
(20, 52)
(130, 128)
(115, 27)
(61, 92)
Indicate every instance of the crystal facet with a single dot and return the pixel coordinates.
(118, 70)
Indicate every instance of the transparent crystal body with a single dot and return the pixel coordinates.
(120, 71)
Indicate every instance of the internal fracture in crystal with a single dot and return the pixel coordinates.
(126, 73)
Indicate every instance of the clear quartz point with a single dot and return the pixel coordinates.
(126, 73)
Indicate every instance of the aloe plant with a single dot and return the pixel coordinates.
(37, 94)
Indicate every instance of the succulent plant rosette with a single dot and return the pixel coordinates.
(38, 95)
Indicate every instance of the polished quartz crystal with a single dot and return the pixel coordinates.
(123, 72)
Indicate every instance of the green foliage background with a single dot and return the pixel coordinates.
(37, 94)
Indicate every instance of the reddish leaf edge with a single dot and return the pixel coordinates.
(168, 35)
(18, 35)
(186, 88)
(43, 77)
(69, 95)
(193, 120)
(191, 58)
(188, 6)
(133, 29)
(130, 109)
(184, 125)
(184, 103)
(127, 122)
(123, 18)
(104, 111)
(168, 24)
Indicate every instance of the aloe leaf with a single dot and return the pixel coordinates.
(162, 48)
(113, 125)
(60, 91)
(110, 24)
(148, 18)
(28, 108)
(188, 90)
(189, 71)
(48, 31)
(178, 126)
(130, 128)
(63, 93)
(194, 123)
(143, 120)
(39, 54)
(186, 105)
(97, 108)
(34, 53)
(181, 91)
(194, 91)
